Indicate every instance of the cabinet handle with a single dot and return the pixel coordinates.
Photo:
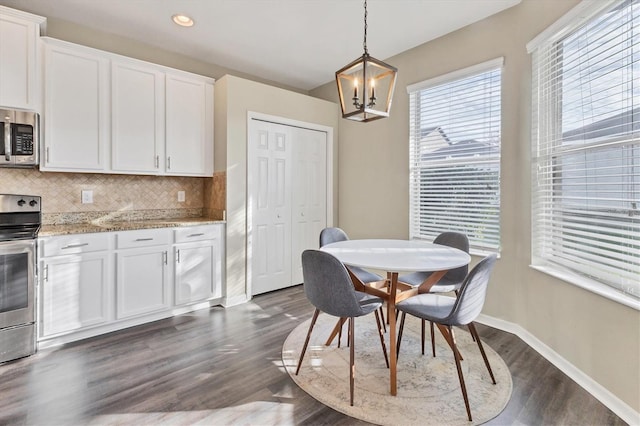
(74, 246)
(46, 273)
(178, 256)
(200, 234)
(164, 257)
(157, 161)
(144, 239)
(47, 154)
(168, 163)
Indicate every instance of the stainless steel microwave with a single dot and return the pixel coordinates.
(18, 138)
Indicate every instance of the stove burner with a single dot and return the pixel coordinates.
(20, 217)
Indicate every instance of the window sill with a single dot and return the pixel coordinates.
(590, 285)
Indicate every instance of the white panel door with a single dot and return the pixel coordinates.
(137, 118)
(269, 165)
(309, 202)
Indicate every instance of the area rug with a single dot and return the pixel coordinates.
(428, 388)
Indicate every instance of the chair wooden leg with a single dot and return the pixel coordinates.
(306, 341)
(422, 340)
(352, 370)
(384, 347)
(404, 314)
(474, 333)
(433, 340)
(384, 324)
(456, 356)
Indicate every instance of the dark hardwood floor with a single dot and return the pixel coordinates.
(222, 366)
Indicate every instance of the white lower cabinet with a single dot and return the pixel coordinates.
(74, 282)
(198, 264)
(90, 284)
(141, 285)
(75, 292)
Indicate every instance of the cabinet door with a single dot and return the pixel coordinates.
(75, 292)
(137, 118)
(18, 82)
(269, 169)
(76, 113)
(309, 201)
(198, 268)
(141, 281)
(189, 126)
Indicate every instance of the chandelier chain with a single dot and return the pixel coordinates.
(365, 28)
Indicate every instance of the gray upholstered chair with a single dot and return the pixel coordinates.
(334, 235)
(447, 312)
(450, 282)
(328, 287)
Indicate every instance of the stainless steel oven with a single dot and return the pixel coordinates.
(20, 219)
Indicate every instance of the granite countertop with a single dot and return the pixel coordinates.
(85, 228)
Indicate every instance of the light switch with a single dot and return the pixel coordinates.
(87, 196)
(181, 196)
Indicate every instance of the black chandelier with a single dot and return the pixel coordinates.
(372, 82)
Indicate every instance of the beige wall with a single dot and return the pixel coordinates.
(600, 337)
(235, 97)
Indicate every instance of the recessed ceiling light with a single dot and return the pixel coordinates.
(182, 20)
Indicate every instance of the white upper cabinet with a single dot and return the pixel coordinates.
(189, 124)
(137, 118)
(106, 113)
(19, 32)
(75, 109)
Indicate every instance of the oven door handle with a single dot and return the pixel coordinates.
(7, 139)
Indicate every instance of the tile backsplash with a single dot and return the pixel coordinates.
(61, 192)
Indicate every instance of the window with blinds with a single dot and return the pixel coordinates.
(454, 136)
(586, 145)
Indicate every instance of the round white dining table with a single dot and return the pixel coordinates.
(395, 256)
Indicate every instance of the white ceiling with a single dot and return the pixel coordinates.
(299, 43)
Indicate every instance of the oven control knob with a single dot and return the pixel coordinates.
(21, 202)
(33, 203)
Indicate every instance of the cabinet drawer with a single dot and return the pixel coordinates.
(70, 244)
(142, 238)
(197, 233)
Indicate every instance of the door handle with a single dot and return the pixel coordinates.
(7, 139)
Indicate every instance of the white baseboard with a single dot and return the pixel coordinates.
(615, 404)
(235, 300)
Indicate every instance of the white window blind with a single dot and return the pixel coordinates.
(586, 146)
(454, 130)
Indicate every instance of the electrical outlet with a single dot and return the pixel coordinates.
(181, 196)
(87, 196)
